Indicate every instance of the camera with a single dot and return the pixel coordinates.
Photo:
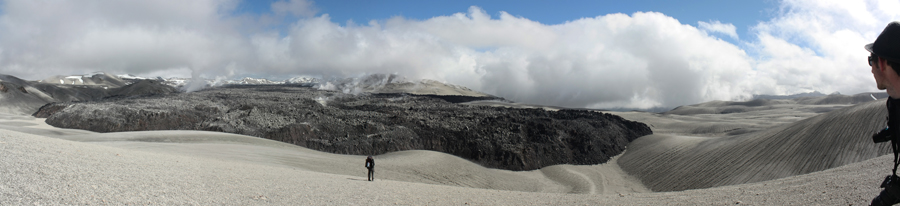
(882, 136)
(890, 181)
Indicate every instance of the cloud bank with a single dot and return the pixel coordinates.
(638, 60)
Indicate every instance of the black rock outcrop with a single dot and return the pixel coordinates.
(142, 88)
(367, 124)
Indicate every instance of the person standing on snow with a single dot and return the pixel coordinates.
(370, 164)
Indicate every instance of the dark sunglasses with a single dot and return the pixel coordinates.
(872, 59)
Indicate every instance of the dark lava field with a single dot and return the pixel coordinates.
(364, 124)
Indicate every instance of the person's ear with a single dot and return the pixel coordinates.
(885, 65)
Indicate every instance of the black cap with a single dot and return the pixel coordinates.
(887, 45)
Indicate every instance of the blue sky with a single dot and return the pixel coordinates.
(595, 54)
(742, 14)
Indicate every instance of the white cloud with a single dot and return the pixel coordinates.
(818, 45)
(716, 26)
(45, 38)
(647, 59)
(616, 60)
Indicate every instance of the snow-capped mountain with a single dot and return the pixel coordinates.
(373, 83)
(97, 78)
(302, 80)
(181, 82)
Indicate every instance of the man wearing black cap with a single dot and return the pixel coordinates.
(885, 63)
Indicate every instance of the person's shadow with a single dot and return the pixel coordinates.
(351, 178)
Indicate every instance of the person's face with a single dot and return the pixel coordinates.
(885, 77)
(878, 73)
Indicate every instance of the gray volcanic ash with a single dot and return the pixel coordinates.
(744, 142)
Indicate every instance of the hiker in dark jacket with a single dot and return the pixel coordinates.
(884, 60)
(370, 164)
